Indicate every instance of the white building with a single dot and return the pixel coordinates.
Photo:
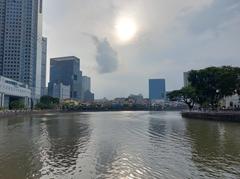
(12, 90)
(231, 102)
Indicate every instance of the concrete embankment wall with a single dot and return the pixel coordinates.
(216, 116)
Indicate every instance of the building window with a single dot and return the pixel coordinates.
(75, 77)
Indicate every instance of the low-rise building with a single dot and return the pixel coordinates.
(11, 90)
(231, 102)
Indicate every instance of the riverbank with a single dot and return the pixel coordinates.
(12, 113)
(231, 116)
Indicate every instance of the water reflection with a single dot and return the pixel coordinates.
(68, 137)
(157, 128)
(19, 148)
(118, 145)
(216, 147)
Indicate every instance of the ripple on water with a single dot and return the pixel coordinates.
(118, 145)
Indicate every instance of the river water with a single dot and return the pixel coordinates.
(118, 145)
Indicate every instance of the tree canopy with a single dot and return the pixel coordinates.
(48, 102)
(210, 85)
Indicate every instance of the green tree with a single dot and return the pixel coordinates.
(17, 104)
(186, 95)
(48, 102)
(213, 83)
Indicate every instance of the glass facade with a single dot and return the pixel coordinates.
(157, 89)
(20, 50)
(66, 70)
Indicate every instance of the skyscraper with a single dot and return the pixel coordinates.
(86, 89)
(185, 79)
(20, 42)
(44, 66)
(66, 70)
(86, 83)
(157, 89)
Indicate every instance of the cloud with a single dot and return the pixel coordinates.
(173, 36)
(106, 57)
(215, 17)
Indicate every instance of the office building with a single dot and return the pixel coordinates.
(66, 70)
(86, 85)
(21, 42)
(11, 90)
(44, 66)
(88, 96)
(59, 90)
(157, 89)
(185, 79)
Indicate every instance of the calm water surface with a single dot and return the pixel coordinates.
(118, 145)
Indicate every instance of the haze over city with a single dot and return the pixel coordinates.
(119, 89)
(122, 44)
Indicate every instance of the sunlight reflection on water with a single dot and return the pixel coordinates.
(118, 145)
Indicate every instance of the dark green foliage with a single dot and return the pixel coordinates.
(17, 104)
(186, 94)
(208, 86)
(214, 83)
(48, 102)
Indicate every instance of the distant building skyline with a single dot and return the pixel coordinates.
(157, 89)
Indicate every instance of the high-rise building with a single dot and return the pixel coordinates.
(44, 66)
(86, 84)
(88, 96)
(185, 79)
(66, 70)
(157, 89)
(21, 41)
(59, 91)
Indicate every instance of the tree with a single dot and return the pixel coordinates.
(186, 95)
(213, 83)
(48, 102)
(17, 104)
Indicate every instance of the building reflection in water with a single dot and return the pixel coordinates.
(157, 129)
(215, 147)
(66, 137)
(19, 148)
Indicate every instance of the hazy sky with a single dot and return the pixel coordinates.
(166, 38)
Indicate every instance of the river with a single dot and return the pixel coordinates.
(118, 145)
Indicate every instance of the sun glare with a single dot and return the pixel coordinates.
(126, 29)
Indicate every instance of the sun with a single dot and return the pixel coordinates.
(126, 29)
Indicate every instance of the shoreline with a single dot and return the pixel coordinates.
(13, 113)
(225, 116)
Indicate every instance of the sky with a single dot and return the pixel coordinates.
(123, 43)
